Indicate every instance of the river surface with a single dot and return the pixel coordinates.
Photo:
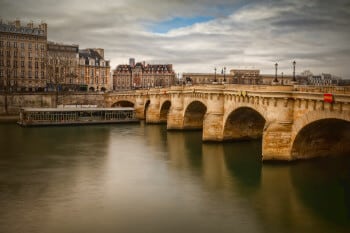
(141, 178)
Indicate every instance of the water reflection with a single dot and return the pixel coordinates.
(44, 169)
(141, 178)
(323, 187)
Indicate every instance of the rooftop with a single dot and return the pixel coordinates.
(16, 28)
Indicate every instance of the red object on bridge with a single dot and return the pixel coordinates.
(328, 98)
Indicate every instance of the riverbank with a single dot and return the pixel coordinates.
(8, 118)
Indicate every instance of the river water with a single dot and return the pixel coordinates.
(141, 178)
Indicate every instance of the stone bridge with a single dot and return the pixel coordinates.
(294, 122)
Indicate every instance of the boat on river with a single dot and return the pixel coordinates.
(75, 116)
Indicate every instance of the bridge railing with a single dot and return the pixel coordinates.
(323, 89)
(242, 87)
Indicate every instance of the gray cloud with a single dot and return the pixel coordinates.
(242, 33)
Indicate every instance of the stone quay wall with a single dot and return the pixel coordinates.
(10, 104)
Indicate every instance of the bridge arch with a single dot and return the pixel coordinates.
(145, 109)
(321, 137)
(123, 103)
(243, 123)
(164, 111)
(194, 115)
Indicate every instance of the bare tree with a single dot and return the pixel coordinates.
(61, 74)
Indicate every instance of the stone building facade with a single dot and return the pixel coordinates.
(324, 80)
(236, 76)
(22, 56)
(93, 69)
(246, 76)
(62, 67)
(268, 79)
(141, 75)
(205, 78)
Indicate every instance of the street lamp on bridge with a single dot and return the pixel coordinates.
(275, 80)
(282, 78)
(294, 79)
(224, 74)
(215, 74)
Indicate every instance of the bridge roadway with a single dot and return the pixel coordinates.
(294, 122)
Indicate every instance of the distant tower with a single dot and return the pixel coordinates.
(132, 62)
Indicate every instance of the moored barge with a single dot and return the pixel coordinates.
(75, 116)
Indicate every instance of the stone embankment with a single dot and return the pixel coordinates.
(10, 104)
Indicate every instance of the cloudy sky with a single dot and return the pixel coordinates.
(199, 35)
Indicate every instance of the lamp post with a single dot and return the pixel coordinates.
(130, 78)
(275, 80)
(294, 79)
(224, 74)
(215, 74)
(282, 78)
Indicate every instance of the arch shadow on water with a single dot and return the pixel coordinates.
(189, 145)
(243, 161)
(323, 186)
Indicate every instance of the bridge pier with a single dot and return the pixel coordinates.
(276, 141)
(214, 118)
(139, 108)
(213, 127)
(175, 119)
(153, 113)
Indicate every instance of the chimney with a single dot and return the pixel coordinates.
(43, 26)
(17, 23)
(30, 25)
(132, 62)
(100, 51)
